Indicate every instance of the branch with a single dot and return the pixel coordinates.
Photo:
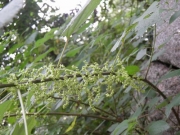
(50, 79)
(105, 73)
(9, 12)
(79, 102)
(66, 114)
(164, 96)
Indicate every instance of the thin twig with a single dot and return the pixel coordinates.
(60, 59)
(152, 51)
(115, 108)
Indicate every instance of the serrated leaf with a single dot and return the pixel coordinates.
(72, 125)
(80, 18)
(4, 107)
(174, 16)
(132, 69)
(157, 127)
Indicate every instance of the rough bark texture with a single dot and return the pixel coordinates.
(169, 34)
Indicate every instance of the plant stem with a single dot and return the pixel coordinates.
(23, 111)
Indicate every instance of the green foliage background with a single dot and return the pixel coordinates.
(95, 92)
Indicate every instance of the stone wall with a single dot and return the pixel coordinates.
(170, 58)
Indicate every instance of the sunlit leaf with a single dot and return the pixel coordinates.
(1, 48)
(19, 128)
(4, 107)
(72, 125)
(132, 69)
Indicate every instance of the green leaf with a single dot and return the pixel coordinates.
(31, 122)
(4, 107)
(174, 16)
(72, 125)
(29, 101)
(132, 69)
(163, 104)
(15, 47)
(19, 128)
(149, 17)
(112, 127)
(58, 104)
(156, 55)
(141, 54)
(83, 28)
(80, 18)
(120, 128)
(123, 36)
(153, 102)
(170, 74)
(40, 57)
(31, 38)
(174, 102)
(1, 48)
(46, 37)
(73, 52)
(137, 113)
(157, 127)
(119, 42)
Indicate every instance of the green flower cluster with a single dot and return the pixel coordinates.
(49, 81)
